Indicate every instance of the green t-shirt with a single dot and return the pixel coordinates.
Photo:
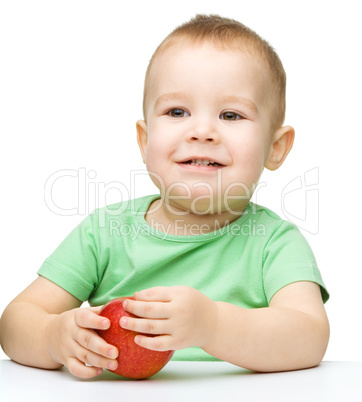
(114, 252)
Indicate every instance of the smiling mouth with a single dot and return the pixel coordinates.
(201, 162)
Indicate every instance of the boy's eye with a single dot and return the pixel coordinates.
(230, 116)
(177, 113)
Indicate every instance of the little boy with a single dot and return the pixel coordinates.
(213, 275)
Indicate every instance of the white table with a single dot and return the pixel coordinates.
(186, 381)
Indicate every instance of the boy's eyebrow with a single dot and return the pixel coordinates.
(238, 99)
(169, 96)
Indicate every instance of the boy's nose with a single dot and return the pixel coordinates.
(203, 132)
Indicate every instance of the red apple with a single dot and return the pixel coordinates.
(134, 361)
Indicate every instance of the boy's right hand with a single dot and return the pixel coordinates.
(73, 343)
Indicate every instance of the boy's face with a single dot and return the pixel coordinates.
(206, 103)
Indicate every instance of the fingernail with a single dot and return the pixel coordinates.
(105, 323)
(112, 353)
(99, 371)
(112, 365)
(123, 322)
(125, 304)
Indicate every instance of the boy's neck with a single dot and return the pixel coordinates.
(172, 220)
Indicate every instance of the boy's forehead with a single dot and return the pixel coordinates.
(186, 48)
(181, 53)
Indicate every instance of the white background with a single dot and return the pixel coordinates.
(71, 83)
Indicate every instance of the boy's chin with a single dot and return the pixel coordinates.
(203, 207)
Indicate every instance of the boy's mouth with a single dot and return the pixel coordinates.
(202, 162)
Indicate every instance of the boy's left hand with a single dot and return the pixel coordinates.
(177, 317)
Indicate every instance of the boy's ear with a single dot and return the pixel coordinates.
(142, 138)
(280, 148)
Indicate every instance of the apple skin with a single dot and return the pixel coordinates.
(134, 361)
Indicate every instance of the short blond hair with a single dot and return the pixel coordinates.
(229, 33)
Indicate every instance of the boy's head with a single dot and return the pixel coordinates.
(214, 105)
(226, 33)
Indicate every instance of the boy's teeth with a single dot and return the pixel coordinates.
(202, 162)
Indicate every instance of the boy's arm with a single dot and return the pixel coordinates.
(43, 327)
(23, 324)
(292, 333)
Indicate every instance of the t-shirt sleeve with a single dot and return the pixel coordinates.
(74, 264)
(288, 258)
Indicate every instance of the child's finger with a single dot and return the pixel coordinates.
(93, 359)
(96, 309)
(155, 327)
(159, 343)
(92, 342)
(86, 318)
(80, 370)
(147, 309)
(158, 293)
